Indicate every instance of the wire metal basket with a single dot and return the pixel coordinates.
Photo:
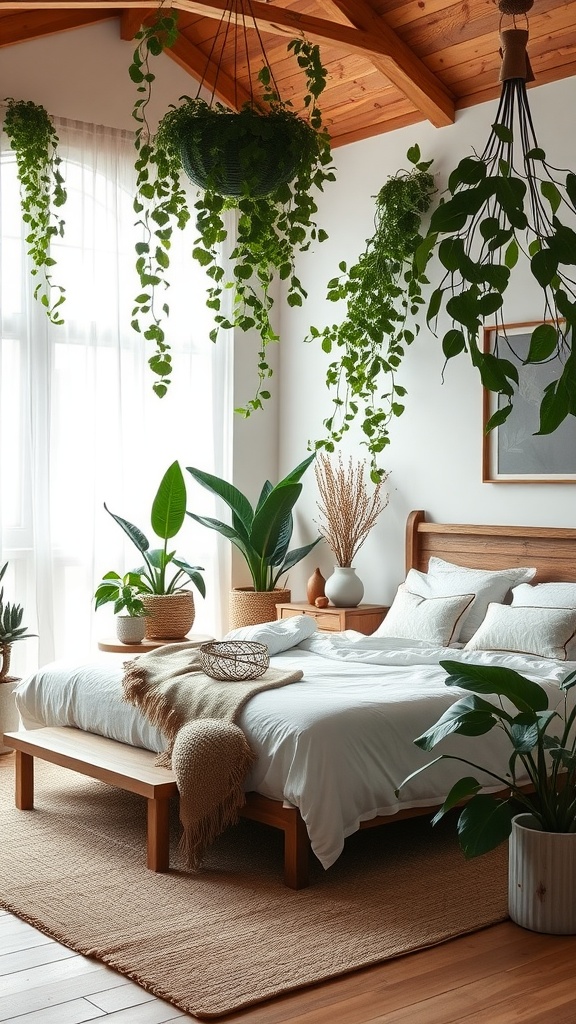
(234, 659)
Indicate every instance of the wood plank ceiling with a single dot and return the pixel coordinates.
(390, 63)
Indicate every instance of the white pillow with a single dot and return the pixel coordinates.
(445, 579)
(544, 632)
(435, 620)
(547, 595)
(278, 636)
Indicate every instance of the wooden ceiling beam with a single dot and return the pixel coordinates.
(396, 59)
(403, 69)
(131, 22)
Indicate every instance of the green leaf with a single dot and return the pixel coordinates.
(484, 823)
(502, 132)
(414, 154)
(543, 343)
(551, 192)
(461, 790)
(453, 343)
(523, 693)
(544, 267)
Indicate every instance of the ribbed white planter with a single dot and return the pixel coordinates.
(9, 717)
(542, 878)
(130, 629)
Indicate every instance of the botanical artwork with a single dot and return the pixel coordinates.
(514, 452)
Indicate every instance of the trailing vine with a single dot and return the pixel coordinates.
(383, 295)
(272, 226)
(34, 140)
(160, 200)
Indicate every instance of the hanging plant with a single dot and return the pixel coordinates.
(503, 208)
(383, 295)
(35, 143)
(265, 162)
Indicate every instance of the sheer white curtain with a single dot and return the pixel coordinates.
(79, 423)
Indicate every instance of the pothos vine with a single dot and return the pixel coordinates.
(383, 295)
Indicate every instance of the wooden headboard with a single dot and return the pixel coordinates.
(552, 550)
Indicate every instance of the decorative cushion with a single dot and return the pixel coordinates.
(543, 632)
(445, 579)
(547, 595)
(434, 620)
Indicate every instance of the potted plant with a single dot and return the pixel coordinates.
(541, 823)
(162, 582)
(265, 161)
(262, 534)
(125, 592)
(35, 142)
(347, 513)
(11, 630)
(383, 296)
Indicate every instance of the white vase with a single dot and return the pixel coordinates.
(9, 717)
(343, 588)
(542, 878)
(130, 629)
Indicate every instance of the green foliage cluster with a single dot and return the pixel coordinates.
(273, 223)
(542, 743)
(162, 572)
(35, 143)
(493, 215)
(11, 615)
(262, 534)
(383, 295)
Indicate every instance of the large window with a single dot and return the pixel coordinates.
(79, 423)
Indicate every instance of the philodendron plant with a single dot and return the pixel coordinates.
(11, 628)
(542, 743)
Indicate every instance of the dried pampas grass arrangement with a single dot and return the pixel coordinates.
(347, 511)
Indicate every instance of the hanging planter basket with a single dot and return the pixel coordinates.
(246, 153)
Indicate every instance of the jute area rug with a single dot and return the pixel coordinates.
(232, 935)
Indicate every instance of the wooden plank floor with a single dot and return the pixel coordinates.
(500, 975)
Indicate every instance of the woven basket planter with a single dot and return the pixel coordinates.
(233, 153)
(249, 607)
(169, 616)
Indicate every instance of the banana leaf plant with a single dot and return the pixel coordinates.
(162, 572)
(542, 748)
(262, 534)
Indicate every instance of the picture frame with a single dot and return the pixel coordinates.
(511, 453)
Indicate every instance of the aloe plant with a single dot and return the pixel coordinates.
(262, 534)
(167, 519)
(11, 628)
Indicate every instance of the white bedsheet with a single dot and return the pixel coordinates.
(336, 744)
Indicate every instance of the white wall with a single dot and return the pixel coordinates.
(435, 451)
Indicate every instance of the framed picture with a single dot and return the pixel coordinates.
(512, 453)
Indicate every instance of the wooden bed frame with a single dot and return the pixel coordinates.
(551, 550)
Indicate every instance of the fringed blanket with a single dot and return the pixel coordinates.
(207, 751)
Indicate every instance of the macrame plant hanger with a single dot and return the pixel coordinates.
(226, 153)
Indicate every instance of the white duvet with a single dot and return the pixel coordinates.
(337, 744)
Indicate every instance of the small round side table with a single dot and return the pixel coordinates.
(114, 646)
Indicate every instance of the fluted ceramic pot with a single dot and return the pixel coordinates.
(542, 878)
(343, 588)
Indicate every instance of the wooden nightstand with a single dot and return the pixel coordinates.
(365, 618)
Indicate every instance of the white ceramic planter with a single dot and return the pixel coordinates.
(9, 717)
(343, 588)
(542, 878)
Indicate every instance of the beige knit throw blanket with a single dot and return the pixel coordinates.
(208, 752)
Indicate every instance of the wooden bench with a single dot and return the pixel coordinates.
(133, 769)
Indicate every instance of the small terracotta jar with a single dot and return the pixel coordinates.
(315, 586)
